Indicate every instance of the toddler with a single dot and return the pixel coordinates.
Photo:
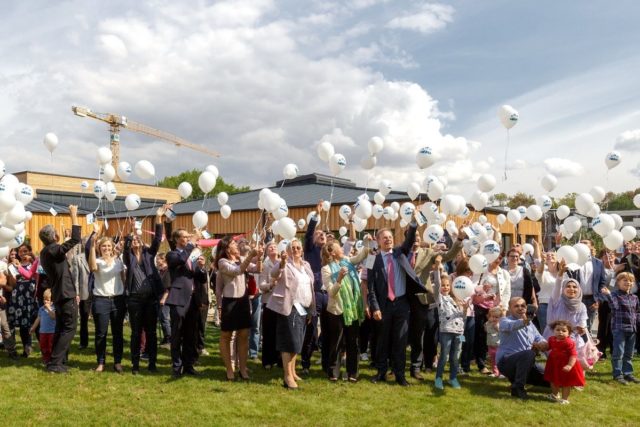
(562, 369)
(493, 337)
(47, 321)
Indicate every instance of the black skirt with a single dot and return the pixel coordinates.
(236, 314)
(290, 332)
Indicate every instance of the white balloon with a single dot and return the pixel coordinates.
(223, 198)
(107, 172)
(17, 240)
(612, 159)
(7, 197)
(478, 264)
(84, 186)
(104, 155)
(363, 209)
(281, 212)
(584, 202)
(290, 171)
(7, 233)
(486, 182)
(562, 212)
(16, 215)
(491, 250)
(522, 210)
(287, 228)
(145, 170)
(514, 216)
(603, 224)
(99, 188)
(636, 201)
(24, 194)
(425, 157)
(301, 223)
(527, 248)
(429, 209)
(337, 163)
(583, 252)
(378, 198)
(342, 230)
(449, 204)
(465, 212)
(482, 219)
(368, 162)
(534, 212)
(200, 219)
(385, 187)
(572, 224)
(213, 170)
(439, 219)
(28, 216)
(403, 223)
(501, 219)
(568, 254)
(617, 220)
(225, 211)
(388, 212)
(597, 193)
(451, 227)
(3, 169)
(544, 202)
(51, 141)
(375, 145)
(549, 182)
(395, 206)
(282, 245)
(326, 206)
(185, 189)
(594, 211)
(309, 216)
(132, 202)
(413, 190)
(124, 170)
(325, 151)
(433, 233)
(462, 287)
(629, 233)
(110, 192)
(4, 251)
(508, 116)
(344, 212)
(377, 211)
(479, 200)
(613, 240)
(206, 181)
(406, 211)
(359, 224)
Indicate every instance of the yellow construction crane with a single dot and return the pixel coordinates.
(116, 122)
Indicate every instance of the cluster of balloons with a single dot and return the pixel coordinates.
(336, 161)
(375, 145)
(14, 196)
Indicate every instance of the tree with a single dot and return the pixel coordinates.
(191, 177)
(620, 201)
(567, 199)
(500, 199)
(521, 199)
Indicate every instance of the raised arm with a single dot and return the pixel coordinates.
(311, 228)
(406, 246)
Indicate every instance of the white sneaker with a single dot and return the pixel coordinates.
(364, 357)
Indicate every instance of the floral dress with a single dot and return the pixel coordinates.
(23, 307)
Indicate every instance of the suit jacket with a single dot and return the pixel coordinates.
(425, 258)
(53, 259)
(185, 282)
(377, 276)
(281, 300)
(148, 260)
(597, 279)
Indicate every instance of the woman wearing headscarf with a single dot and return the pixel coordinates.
(293, 299)
(566, 304)
(345, 308)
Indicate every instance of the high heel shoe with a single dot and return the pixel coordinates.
(245, 377)
(288, 387)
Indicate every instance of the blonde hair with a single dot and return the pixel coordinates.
(47, 294)
(625, 275)
(327, 253)
(496, 311)
(101, 242)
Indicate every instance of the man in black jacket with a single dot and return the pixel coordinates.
(65, 298)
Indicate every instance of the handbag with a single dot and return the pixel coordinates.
(588, 354)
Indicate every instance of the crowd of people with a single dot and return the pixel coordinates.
(528, 320)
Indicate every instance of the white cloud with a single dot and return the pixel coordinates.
(629, 140)
(636, 171)
(563, 167)
(428, 18)
(113, 46)
(517, 164)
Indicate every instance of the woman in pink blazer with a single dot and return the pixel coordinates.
(293, 300)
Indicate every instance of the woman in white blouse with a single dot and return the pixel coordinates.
(108, 299)
(235, 307)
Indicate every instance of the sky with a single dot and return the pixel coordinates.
(264, 81)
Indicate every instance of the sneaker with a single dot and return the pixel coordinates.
(553, 397)
(438, 384)
(463, 373)
(563, 402)
(203, 352)
(621, 380)
(364, 357)
(485, 371)
(631, 379)
(144, 356)
(578, 388)
(454, 383)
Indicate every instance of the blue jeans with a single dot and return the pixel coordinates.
(623, 344)
(542, 316)
(254, 335)
(467, 346)
(109, 311)
(165, 322)
(449, 348)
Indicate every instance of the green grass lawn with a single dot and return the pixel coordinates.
(32, 396)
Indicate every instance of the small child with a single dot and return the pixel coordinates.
(47, 321)
(562, 369)
(451, 313)
(492, 326)
(624, 324)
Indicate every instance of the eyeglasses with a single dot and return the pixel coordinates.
(296, 248)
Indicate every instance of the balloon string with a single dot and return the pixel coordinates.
(330, 202)
(506, 154)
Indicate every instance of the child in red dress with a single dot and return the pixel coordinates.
(561, 369)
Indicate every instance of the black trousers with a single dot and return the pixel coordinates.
(85, 311)
(184, 336)
(604, 328)
(66, 322)
(202, 327)
(520, 369)
(430, 341)
(270, 356)
(340, 336)
(393, 335)
(417, 327)
(312, 338)
(109, 311)
(143, 316)
(480, 337)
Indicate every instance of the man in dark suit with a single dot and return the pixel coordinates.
(53, 259)
(592, 280)
(391, 283)
(184, 301)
